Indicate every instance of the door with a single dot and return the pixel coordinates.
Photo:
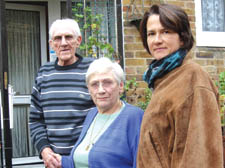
(27, 50)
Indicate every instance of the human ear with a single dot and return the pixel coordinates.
(121, 87)
(78, 41)
(51, 44)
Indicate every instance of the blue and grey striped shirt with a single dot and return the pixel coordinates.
(60, 102)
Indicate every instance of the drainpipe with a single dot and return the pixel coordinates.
(7, 145)
(120, 30)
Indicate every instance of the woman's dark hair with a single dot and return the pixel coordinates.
(172, 18)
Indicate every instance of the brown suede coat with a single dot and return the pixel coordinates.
(181, 126)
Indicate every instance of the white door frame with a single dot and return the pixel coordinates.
(40, 9)
(25, 99)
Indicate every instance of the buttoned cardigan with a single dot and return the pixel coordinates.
(117, 146)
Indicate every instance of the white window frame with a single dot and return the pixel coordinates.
(206, 38)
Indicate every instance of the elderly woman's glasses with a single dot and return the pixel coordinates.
(68, 38)
(104, 84)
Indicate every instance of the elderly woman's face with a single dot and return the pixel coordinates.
(105, 90)
(161, 41)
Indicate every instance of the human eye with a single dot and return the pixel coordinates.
(150, 34)
(69, 37)
(166, 31)
(57, 38)
(94, 85)
(107, 83)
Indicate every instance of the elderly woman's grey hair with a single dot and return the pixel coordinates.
(105, 65)
(65, 23)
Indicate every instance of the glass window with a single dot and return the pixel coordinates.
(210, 23)
(213, 15)
(108, 25)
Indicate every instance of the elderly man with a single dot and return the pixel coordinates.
(60, 99)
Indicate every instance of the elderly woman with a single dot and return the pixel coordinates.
(110, 134)
(181, 125)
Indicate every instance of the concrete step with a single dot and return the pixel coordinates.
(28, 162)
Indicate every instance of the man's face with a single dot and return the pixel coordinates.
(64, 42)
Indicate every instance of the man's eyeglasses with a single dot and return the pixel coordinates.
(68, 38)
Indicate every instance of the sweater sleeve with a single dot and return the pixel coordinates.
(36, 119)
(203, 145)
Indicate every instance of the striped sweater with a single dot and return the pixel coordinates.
(59, 104)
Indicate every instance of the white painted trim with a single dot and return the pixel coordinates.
(206, 38)
(54, 11)
(34, 162)
(21, 100)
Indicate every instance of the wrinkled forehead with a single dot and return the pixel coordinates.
(101, 76)
(63, 30)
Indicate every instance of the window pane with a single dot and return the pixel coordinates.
(213, 15)
(108, 24)
(23, 30)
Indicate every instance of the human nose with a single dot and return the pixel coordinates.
(158, 37)
(63, 41)
(101, 88)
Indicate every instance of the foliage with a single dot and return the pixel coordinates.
(94, 42)
(131, 84)
(147, 97)
(221, 85)
(128, 86)
(143, 100)
(222, 110)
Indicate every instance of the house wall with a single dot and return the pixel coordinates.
(137, 59)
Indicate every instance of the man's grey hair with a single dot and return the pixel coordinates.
(65, 23)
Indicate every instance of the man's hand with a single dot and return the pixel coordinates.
(51, 159)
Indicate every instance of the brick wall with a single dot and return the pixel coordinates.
(137, 59)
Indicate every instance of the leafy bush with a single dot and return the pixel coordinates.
(221, 83)
(221, 86)
(143, 100)
(147, 97)
(222, 110)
